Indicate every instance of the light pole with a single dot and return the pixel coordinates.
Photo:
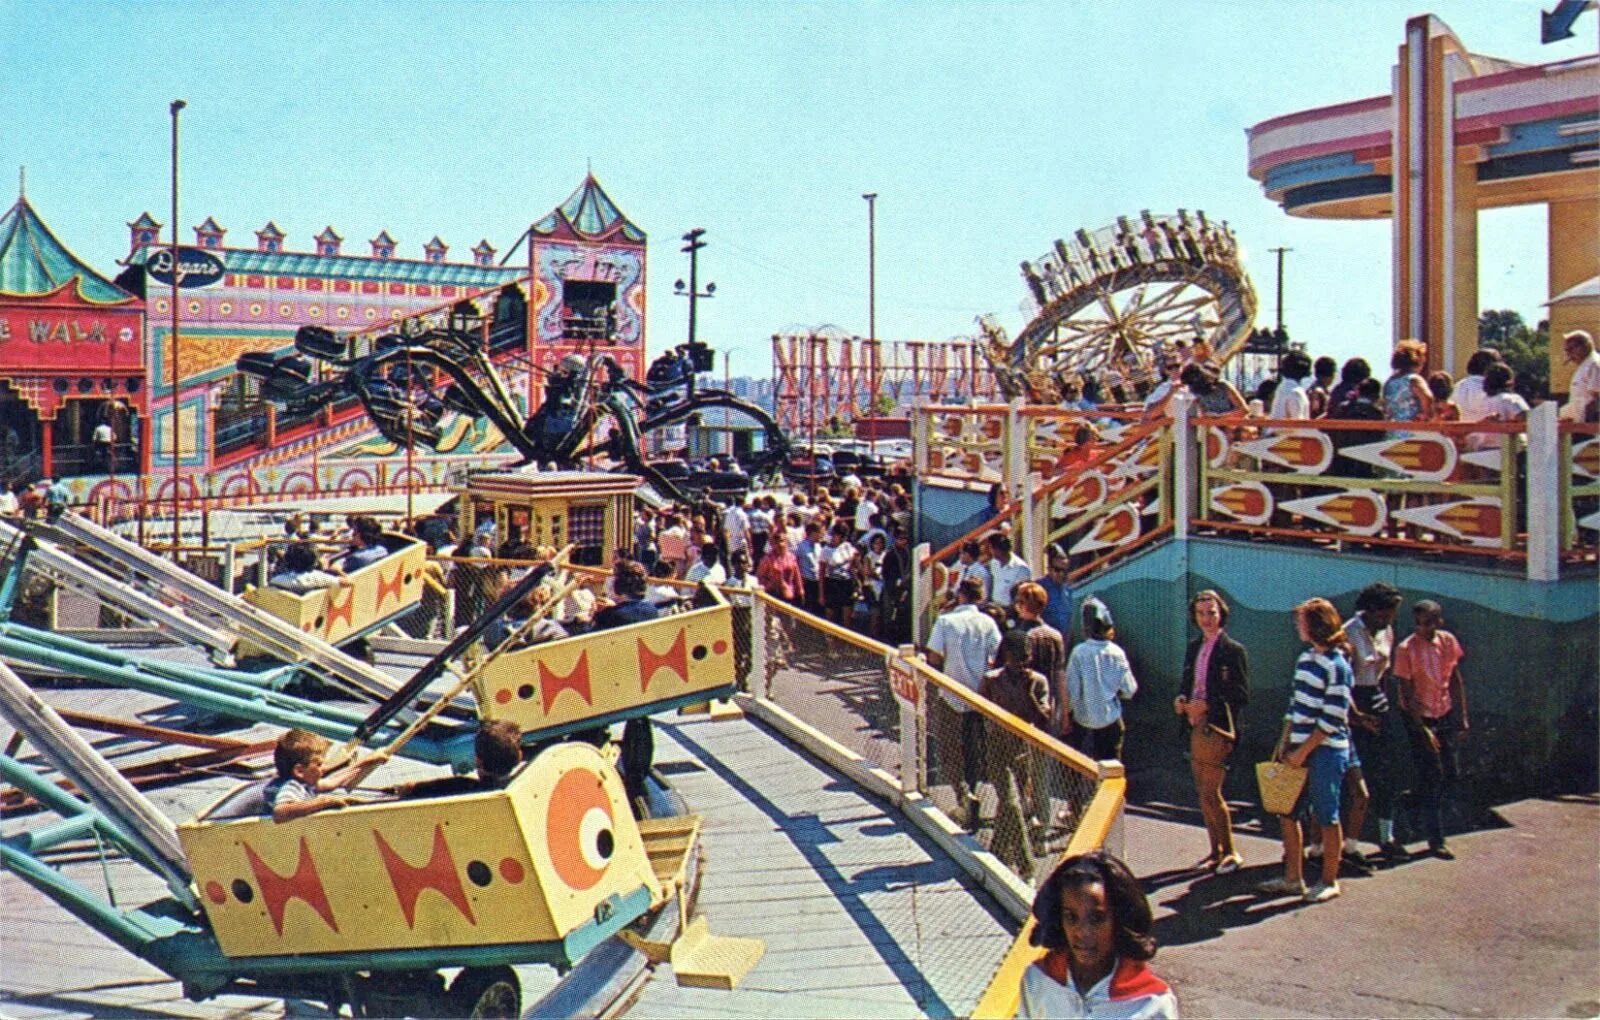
(172, 347)
(1280, 252)
(872, 266)
(872, 309)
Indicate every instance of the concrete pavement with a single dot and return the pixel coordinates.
(1509, 928)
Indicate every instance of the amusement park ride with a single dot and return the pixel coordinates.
(334, 907)
(1112, 302)
(410, 379)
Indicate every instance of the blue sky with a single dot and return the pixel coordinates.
(987, 130)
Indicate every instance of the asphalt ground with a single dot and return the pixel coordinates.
(1510, 928)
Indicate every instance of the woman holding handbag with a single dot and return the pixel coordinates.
(1215, 688)
(1317, 739)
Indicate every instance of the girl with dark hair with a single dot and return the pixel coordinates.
(1317, 738)
(1214, 394)
(1351, 376)
(1095, 922)
(1214, 690)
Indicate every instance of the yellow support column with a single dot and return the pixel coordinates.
(1574, 235)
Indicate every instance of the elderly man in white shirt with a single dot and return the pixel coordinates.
(1585, 386)
(962, 644)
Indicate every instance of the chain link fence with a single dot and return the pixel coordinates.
(1016, 790)
(833, 679)
(1019, 792)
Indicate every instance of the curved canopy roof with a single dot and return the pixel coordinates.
(590, 215)
(33, 263)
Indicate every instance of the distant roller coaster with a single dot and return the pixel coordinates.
(1112, 301)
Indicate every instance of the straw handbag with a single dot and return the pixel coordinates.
(1279, 781)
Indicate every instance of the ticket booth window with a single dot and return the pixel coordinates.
(586, 530)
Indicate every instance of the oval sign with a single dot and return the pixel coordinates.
(194, 267)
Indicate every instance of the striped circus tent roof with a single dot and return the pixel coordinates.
(34, 263)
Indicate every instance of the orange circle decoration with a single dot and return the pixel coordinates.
(286, 309)
(255, 308)
(226, 308)
(511, 870)
(344, 313)
(215, 893)
(315, 311)
(372, 313)
(579, 829)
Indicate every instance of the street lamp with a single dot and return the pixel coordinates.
(172, 346)
(872, 309)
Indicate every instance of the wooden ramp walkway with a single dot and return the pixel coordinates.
(860, 914)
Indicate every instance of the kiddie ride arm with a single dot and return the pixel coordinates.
(359, 905)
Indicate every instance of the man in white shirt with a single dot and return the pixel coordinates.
(708, 568)
(736, 526)
(1469, 395)
(1290, 400)
(1585, 386)
(961, 645)
(1006, 570)
(864, 512)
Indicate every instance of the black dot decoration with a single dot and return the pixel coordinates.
(605, 843)
(525, 691)
(479, 873)
(699, 652)
(242, 891)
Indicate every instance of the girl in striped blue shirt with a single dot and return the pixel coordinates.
(1319, 741)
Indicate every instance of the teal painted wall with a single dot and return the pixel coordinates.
(1533, 656)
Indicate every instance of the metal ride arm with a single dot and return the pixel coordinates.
(493, 404)
(435, 667)
(177, 585)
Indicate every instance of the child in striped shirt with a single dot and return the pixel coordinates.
(1319, 741)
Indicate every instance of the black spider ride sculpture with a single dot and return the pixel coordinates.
(409, 383)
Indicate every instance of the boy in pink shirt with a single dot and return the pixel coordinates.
(1434, 700)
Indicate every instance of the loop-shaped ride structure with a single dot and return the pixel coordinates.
(1112, 301)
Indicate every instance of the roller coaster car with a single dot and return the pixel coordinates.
(283, 377)
(538, 871)
(377, 593)
(598, 678)
(320, 342)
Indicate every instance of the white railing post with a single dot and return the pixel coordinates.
(921, 591)
(911, 693)
(1035, 517)
(758, 684)
(1183, 474)
(1015, 451)
(1543, 494)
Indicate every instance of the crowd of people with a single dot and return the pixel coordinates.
(843, 554)
(1307, 388)
(1065, 674)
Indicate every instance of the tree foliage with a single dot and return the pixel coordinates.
(1525, 349)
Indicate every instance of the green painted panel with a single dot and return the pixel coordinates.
(1533, 654)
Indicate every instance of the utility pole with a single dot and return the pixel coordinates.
(1280, 252)
(172, 346)
(692, 245)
